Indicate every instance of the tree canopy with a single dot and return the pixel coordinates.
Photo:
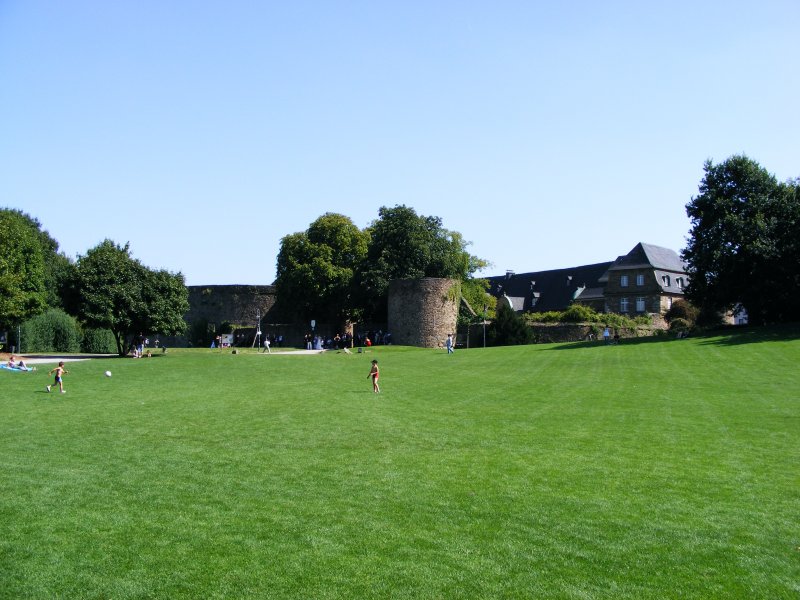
(22, 268)
(743, 244)
(117, 292)
(406, 245)
(334, 271)
(316, 269)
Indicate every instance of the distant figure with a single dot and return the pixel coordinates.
(374, 372)
(60, 371)
(449, 343)
(606, 335)
(266, 345)
(138, 350)
(616, 337)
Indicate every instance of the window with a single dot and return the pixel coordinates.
(669, 302)
(623, 305)
(640, 304)
(665, 280)
(623, 281)
(640, 280)
(679, 281)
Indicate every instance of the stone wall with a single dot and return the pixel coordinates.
(213, 305)
(422, 311)
(236, 304)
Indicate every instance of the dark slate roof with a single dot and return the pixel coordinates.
(650, 256)
(552, 290)
(670, 282)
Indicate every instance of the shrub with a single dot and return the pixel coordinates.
(508, 328)
(98, 341)
(684, 310)
(51, 331)
(678, 324)
(579, 313)
(544, 317)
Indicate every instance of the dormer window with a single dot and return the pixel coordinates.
(665, 280)
(623, 281)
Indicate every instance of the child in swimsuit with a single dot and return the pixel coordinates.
(60, 371)
(375, 374)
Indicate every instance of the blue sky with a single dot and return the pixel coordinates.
(548, 134)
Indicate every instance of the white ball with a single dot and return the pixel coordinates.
(108, 373)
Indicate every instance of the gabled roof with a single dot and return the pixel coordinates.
(551, 290)
(648, 256)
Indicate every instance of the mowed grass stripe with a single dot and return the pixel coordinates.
(644, 470)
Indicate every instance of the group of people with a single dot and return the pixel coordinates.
(345, 340)
(140, 345)
(607, 336)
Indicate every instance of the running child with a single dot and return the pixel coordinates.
(60, 371)
(374, 372)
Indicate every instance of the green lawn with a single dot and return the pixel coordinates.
(653, 469)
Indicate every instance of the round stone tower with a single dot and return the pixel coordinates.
(423, 311)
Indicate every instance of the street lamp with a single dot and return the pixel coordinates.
(484, 325)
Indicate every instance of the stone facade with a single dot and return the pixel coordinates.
(236, 304)
(645, 281)
(423, 311)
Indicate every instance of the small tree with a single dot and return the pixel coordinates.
(474, 292)
(684, 310)
(508, 328)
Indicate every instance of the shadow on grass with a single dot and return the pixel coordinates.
(731, 335)
(622, 342)
(735, 335)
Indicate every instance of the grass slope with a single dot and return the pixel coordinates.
(647, 470)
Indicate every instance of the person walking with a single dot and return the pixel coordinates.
(449, 343)
(374, 372)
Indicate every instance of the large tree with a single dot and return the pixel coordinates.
(22, 269)
(57, 267)
(118, 293)
(743, 246)
(406, 245)
(316, 270)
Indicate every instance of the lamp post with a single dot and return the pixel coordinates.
(484, 326)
